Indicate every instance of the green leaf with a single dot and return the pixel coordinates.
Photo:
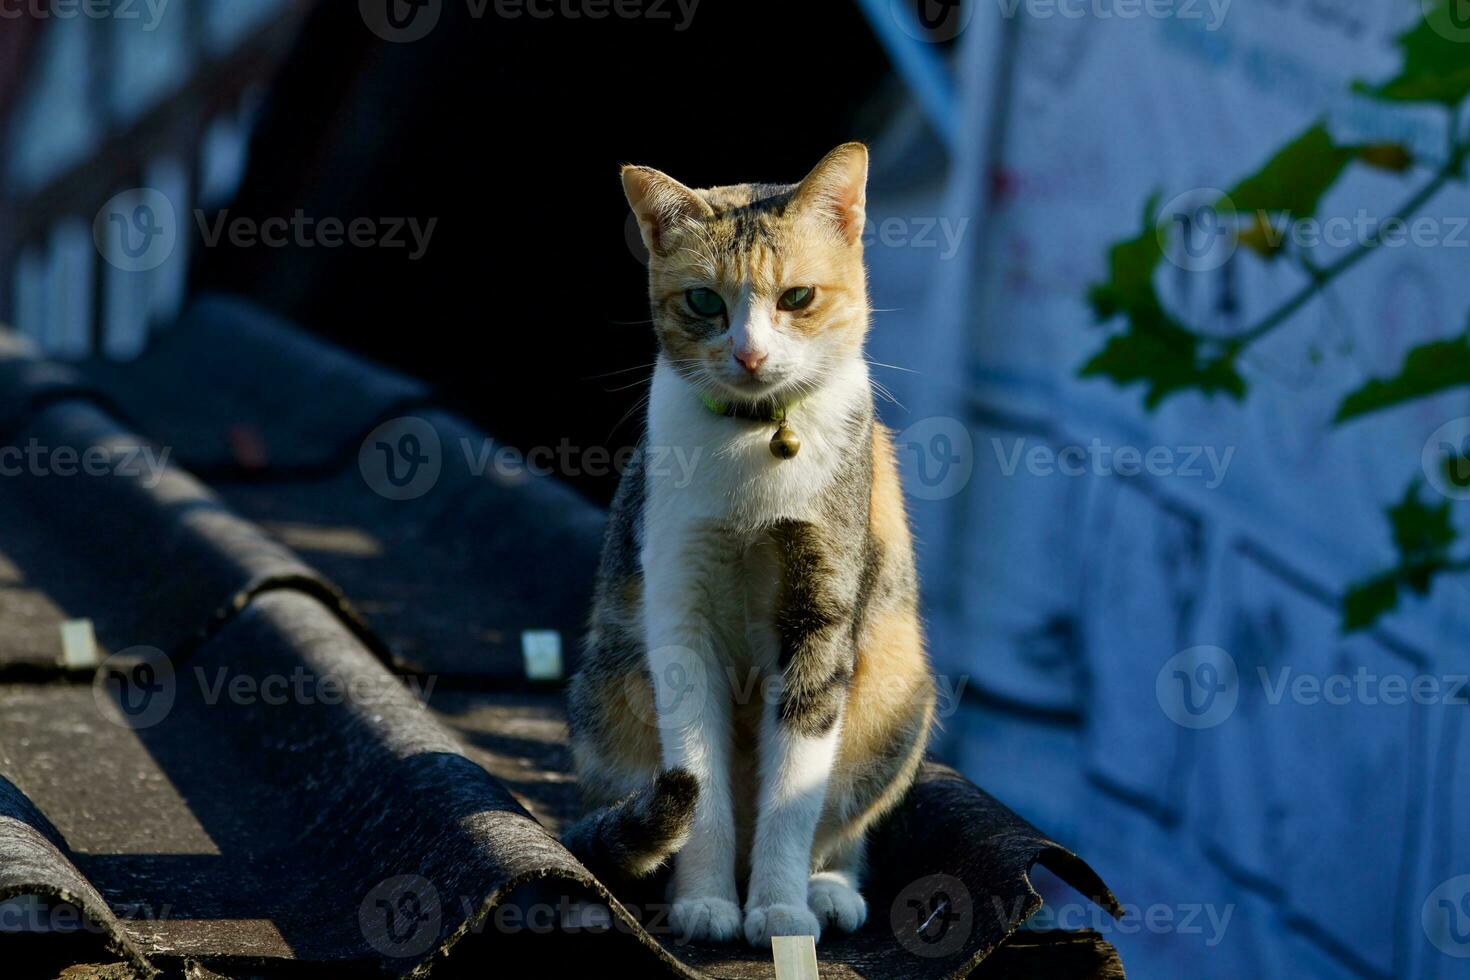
(1366, 601)
(1261, 236)
(1428, 369)
(1436, 65)
(1295, 179)
(1155, 349)
(1392, 157)
(1421, 533)
(1166, 358)
(1423, 536)
(1131, 265)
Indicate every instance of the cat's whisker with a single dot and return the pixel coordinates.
(609, 374)
(894, 367)
(703, 259)
(641, 367)
(886, 394)
(640, 403)
(635, 384)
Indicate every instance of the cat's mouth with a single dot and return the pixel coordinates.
(757, 391)
(743, 389)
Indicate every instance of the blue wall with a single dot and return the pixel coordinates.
(1125, 638)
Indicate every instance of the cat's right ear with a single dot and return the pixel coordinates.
(660, 203)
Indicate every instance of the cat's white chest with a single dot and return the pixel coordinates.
(703, 467)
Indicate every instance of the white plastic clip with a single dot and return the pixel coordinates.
(795, 956)
(79, 645)
(541, 653)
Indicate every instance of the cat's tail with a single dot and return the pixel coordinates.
(635, 836)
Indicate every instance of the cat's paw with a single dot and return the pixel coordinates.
(764, 921)
(835, 902)
(705, 920)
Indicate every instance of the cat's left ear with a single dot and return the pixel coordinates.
(660, 202)
(836, 190)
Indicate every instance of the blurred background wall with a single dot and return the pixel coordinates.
(1255, 831)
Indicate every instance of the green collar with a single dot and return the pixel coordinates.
(765, 412)
(784, 443)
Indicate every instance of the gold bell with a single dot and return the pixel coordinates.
(785, 444)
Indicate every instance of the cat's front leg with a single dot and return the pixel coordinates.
(693, 704)
(795, 765)
(800, 729)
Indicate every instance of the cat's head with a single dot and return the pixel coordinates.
(758, 291)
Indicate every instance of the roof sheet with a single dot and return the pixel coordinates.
(312, 741)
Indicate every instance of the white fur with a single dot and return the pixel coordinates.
(683, 656)
(736, 481)
(694, 613)
(834, 899)
(752, 326)
(794, 771)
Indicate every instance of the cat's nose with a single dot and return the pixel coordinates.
(751, 359)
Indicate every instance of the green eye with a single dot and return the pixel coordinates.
(705, 302)
(797, 299)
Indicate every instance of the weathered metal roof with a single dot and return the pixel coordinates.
(312, 743)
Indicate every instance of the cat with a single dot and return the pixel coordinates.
(754, 691)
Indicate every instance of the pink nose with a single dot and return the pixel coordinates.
(751, 360)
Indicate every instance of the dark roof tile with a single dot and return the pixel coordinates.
(451, 578)
(255, 807)
(269, 792)
(26, 381)
(35, 863)
(454, 578)
(231, 388)
(141, 548)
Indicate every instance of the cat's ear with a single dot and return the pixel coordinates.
(836, 191)
(660, 202)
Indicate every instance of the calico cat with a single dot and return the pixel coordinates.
(754, 692)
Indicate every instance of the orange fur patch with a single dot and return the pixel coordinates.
(889, 519)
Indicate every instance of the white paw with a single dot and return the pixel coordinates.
(835, 902)
(764, 921)
(712, 920)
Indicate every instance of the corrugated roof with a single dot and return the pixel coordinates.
(312, 743)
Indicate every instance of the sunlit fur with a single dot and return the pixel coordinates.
(786, 585)
(750, 243)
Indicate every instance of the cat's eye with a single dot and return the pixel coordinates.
(705, 302)
(796, 299)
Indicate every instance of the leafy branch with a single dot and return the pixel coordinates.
(1428, 369)
(1168, 356)
(1424, 538)
(1322, 277)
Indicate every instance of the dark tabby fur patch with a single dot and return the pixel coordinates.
(634, 837)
